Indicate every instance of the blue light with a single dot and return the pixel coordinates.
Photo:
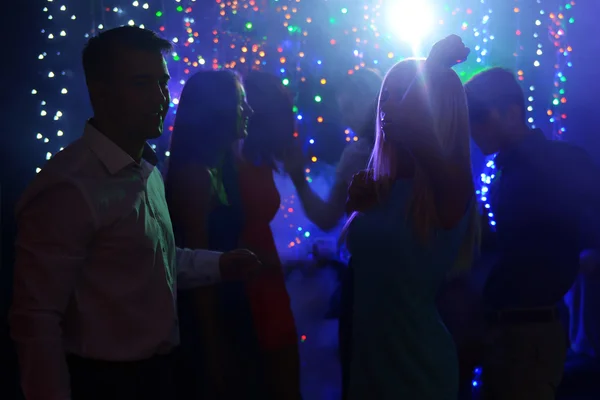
(486, 178)
(311, 141)
(307, 234)
(299, 117)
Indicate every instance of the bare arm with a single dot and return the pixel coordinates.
(421, 111)
(326, 214)
(415, 112)
(55, 229)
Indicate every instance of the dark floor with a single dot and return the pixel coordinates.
(311, 291)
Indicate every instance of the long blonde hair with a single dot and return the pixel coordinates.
(448, 109)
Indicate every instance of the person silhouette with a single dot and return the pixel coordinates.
(97, 270)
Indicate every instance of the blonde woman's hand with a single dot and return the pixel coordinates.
(362, 192)
(448, 52)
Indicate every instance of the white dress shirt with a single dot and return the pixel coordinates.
(97, 269)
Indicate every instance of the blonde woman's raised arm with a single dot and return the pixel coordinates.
(422, 105)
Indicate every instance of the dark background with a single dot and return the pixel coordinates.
(19, 154)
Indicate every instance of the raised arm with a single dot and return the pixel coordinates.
(423, 109)
(327, 213)
(434, 122)
(54, 231)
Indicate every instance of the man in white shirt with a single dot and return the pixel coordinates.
(97, 270)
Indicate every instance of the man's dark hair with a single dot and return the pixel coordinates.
(494, 88)
(101, 51)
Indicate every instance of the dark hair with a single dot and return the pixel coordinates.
(102, 51)
(494, 88)
(206, 118)
(271, 128)
(364, 82)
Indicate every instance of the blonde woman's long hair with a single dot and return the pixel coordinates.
(448, 108)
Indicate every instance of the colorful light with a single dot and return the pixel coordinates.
(548, 26)
(307, 47)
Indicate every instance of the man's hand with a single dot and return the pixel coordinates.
(239, 265)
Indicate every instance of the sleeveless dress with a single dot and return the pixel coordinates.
(400, 347)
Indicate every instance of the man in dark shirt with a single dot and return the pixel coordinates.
(538, 201)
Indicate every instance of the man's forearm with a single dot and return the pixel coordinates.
(42, 358)
(196, 268)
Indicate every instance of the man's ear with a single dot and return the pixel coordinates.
(514, 114)
(97, 89)
(494, 116)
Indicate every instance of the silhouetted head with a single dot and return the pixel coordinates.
(357, 100)
(448, 122)
(447, 106)
(212, 114)
(127, 79)
(271, 128)
(496, 109)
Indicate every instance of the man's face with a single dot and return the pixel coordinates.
(137, 96)
(244, 112)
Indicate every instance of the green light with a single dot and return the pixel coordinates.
(571, 20)
(318, 99)
(159, 14)
(561, 91)
(466, 75)
(344, 10)
(176, 57)
(285, 82)
(179, 9)
(248, 25)
(555, 102)
(332, 20)
(295, 109)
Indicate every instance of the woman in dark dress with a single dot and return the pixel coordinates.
(223, 328)
(217, 333)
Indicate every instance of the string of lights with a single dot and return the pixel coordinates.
(309, 44)
(488, 174)
(554, 22)
(557, 33)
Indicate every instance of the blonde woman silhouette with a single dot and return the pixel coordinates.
(414, 221)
